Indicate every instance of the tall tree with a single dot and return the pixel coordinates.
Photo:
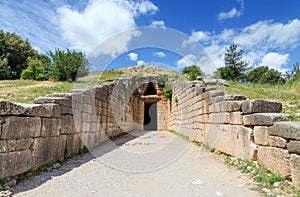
(67, 65)
(17, 51)
(235, 63)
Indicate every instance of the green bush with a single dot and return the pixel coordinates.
(192, 72)
(254, 75)
(272, 77)
(167, 92)
(34, 71)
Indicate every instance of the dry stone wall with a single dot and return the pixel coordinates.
(32, 135)
(247, 129)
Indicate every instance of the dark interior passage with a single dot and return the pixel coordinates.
(150, 117)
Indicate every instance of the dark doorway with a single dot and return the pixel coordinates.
(150, 89)
(150, 117)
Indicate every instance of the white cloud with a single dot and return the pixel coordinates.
(100, 20)
(157, 24)
(159, 54)
(197, 36)
(21, 18)
(187, 60)
(275, 60)
(140, 62)
(259, 41)
(146, 6)
(204, 62)
(231, 14)
(234, 12)
(133, 56)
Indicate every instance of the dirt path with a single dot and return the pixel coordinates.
(143, 164)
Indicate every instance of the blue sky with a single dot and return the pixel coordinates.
(186, 32)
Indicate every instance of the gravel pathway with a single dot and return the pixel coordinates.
(141, 164)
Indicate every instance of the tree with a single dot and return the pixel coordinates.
(235, 63)
(5, 72)
(272, 77)
(193, 72)
(67, 65)
(225, 73)
(34, 71)
(16, 51)
(255, 75)
(294, 74)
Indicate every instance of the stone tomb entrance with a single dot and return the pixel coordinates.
(151, 97)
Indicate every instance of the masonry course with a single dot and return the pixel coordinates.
(32, 135)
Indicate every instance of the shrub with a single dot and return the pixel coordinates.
(167, 92)
(34, 71)
(192, 72)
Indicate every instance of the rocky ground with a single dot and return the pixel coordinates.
(151, 163)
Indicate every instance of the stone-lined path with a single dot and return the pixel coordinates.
(143, 164)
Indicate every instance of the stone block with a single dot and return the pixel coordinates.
(9, 108)
(226, 106)
(261, 106)
(77, 98)
(264, 119)
(290, 130)
(275, 159)
(236, 118)
(45, 110)
(204, 118)
(234, 97)
(15, 163)
(295, 169)
(7, 146)
(58, 100)
(294, 147)
(261, 136)
(73, 143)
(48, 149)
(277, 141)
(219, 118)
(234, 140)
(212, 93)
(66, 110)
(24, 144)
(67, 125)
(66, 95)
(15, 127)
(51, 127)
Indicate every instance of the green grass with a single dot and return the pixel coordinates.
(25, 91)
(109, 76)
(288, 94)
